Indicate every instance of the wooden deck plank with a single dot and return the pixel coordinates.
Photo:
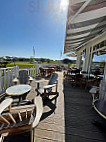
(71, 119)
(80, 117)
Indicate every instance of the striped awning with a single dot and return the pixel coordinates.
(72, 55)
(86, 19)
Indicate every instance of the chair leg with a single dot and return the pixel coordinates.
(45, 94)
(32, 135)
(1, 138)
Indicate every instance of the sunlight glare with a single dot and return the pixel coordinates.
(63, 4)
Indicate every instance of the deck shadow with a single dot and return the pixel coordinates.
(49, 103)
(82, 123)
(24, 137)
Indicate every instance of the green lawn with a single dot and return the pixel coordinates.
(52, 62)
(21, 65)
(24, 64)
(56, 62)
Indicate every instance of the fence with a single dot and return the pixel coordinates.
(6, 77)
(8, 74)
(34, 71)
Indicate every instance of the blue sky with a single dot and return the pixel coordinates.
(28, 23)
(99, 58)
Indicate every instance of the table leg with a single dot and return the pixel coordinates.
(38, 85)
(20, 100)
(10, 108)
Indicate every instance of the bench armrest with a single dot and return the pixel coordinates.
(40, 81)
(6, 103)
(30, 78)
(15, 80)
(49, 86)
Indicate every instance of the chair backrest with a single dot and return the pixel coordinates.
(23, 76)
(53, 79)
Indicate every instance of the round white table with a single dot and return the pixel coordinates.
(18, 91)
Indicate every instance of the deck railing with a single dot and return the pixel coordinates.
(8, 74)
(34, 71)
(6, 77)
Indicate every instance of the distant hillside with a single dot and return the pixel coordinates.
(67, 61)
(40, 60)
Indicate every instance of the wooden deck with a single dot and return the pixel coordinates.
(82, 123)
(70, 118)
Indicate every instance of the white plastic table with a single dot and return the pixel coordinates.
(18, 90)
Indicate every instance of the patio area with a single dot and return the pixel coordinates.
(69, 119)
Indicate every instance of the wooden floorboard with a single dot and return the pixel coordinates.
(82, 123)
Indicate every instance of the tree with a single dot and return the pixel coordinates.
(42, 60)
(8, 58)
(1, 58)
(3, 64)
(48, 61)
(66, 61)
(31, 59)
(14, 60)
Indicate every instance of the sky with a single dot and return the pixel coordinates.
(99, 58)
(28, 23)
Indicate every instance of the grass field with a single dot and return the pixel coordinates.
(21, 65)
(24, 64)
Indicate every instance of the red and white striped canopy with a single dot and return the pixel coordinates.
(86, 19)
